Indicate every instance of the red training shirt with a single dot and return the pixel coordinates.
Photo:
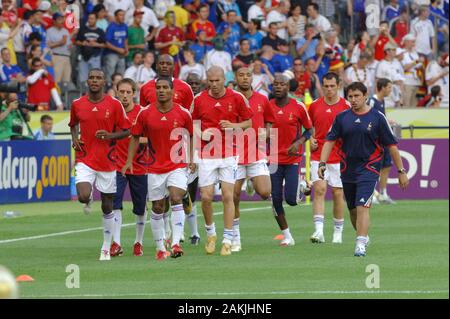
(182, 93)
(322, 117)
(109, 115)
(379, 47)
(166, 35)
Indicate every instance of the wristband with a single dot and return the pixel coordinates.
(402, 171)
(322, 164)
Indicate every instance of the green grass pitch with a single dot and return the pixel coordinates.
(409, 244)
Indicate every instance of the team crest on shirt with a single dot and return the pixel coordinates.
(260, 109)
(230, 107)
(107, 114)
(175, 123)
(291, 116)
(369, 127)
(175, 96)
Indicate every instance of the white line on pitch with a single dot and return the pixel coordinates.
(69, 232)
(250, 293)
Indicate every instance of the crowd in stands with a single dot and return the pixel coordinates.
(48, 46)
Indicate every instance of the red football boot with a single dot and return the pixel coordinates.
(115, 250)
(137, 249)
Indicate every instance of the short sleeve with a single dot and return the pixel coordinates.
(73, 115)
(138, 128)
(269, 115)
(109, 34)
(122, 120)
(189, 96)
(304, 119)
(335, 131)
(195, 109)
(387, 137)
(243, 108)
(188, 123)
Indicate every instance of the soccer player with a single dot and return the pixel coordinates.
(182, 95)
(97, 116)
(384, 89)
(126, 90)
(322, 112)
(221, 112)
(253, 163)
(290, 117)
(363, 131)
(168, 128)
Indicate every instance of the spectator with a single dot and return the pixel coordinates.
(47, 16)
(161, 7)
(115, 78)
(279, 15)
(192, 67)
(307, 46)
(102, 16)
(334, 52)
(266, 57)
(112, 6)
(302, 77)
(257, 12)
(254, 36)
(45, 132)
(91, 40)
(145, 72)
(195, 83)
(316, 88)
(21, 39)
(388, 68)
(412, 64)
(149, 22)
(12, 119)
(437, 74)
(8, 71)
(170, 38)
(282, 61)
(218, 56)
(423, 29)
(381, 39)
(326, 8)
(36, 26)
(321, 23)
(131, 72)
(181, 15)
(359, 72)
(245, 57)
(362, 42)
(272, 37)
(136, 36)
(262, 81)
(231, 31)
(41, 87)
(296, 23)
(116, 45)
(203, 24)
(45, 56)
(439, 22)
(58, 40)
(200, 47)
(357, 9)
(322, 61)
(432, 100)
(400, 26)
(391, 11)
(226, 5)
(7, 34)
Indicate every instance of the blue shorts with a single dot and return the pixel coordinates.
(359, 193)
(387, 159)
(138, 192)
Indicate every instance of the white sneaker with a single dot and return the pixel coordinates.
(87, 208)
(367, 242)
(317, 237)
(386, 199)
(104, 255)
(287, 242)
(375, 200)
(360, 250)
(337, 237)
(236, 246)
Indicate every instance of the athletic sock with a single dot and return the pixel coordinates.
(227, 236)
(140, 227)
(167, 229)
(338, 224)
(361, 240)
(286, 233)
(192, 221)
(108, 229)
(236, 230)
(383, 192)
(117, 225)
(318, 222)
(157, 224)
(178, 217)
(211, 230)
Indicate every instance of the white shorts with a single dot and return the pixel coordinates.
(192, 176)
(332, 174)
(105, 182)
(158, 184)
(258, 168)
(211, 171)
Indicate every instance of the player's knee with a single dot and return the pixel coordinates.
(84, 198)
(176, 199)
(337, 193)
(207, 196)
(158, 208)
(320, 191)
(265, 194)
(107, 208)
(228, 197)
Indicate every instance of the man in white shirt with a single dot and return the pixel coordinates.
(359, 72)
(148, 19)
(131, 72)
(279, 14)
(145, 72)
(191, 67)
(437, 74)
(423, 29)
(114, 5)
(321, 23)
(256, 11)
(218, 56)
(411, 63)
(389, 69)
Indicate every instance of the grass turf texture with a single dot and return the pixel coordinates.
(409, 243)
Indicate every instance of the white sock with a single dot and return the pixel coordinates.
(211, 230)
(192, 221)
(338, 225)
(236, 231)
(117, 225)
(157, 224)
(286, 233)
(383, 192)
(318, 222)
(108, 230)
(140, 227)
(227, 236)
(177, 223)
(167, 229)
(361, 240)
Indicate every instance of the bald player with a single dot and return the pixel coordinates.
(221, 111)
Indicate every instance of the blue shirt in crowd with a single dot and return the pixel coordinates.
(116, 34)
(255, 40)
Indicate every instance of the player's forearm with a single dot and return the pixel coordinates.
(119, 135)
(244, 125)
(305, 136)
(395, 154)
(326, 151)
(132, 148)
(74, 132)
